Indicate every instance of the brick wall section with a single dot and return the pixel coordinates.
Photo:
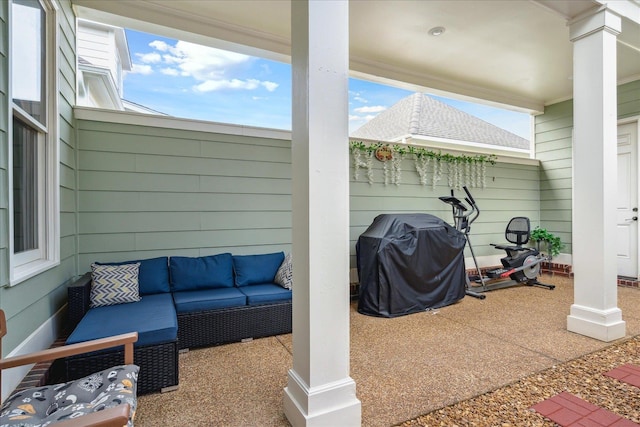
(40, 373)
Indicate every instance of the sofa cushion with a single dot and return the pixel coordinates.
(114, 284)
(153, 276)
(153, 317)
(256, 269)
(208, 272)
(265, 293)
(208, 299)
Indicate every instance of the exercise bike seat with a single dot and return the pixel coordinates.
(517, 232)
(511, 248)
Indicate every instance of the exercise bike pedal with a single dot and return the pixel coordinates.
(496, 272)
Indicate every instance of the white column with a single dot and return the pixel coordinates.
(594, 312)
(319, 390)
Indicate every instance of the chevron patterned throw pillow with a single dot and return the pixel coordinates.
(114, 284)
(284, 275)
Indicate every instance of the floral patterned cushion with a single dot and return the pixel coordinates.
(46, 405)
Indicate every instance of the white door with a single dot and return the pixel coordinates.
(627, 237)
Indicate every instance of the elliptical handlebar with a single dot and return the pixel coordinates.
(475, 210)
(466, 190)
(463, 215)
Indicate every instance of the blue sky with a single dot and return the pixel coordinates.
(191, 81)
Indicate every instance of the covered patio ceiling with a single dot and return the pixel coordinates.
(515, 53)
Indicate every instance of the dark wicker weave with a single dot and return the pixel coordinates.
(205, 328)
(158, 363)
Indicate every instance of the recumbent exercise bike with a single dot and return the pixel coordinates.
(521, 265)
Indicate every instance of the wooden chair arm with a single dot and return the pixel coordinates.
(117, 416)
(69, 350)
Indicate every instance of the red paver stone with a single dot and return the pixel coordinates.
(628, 373)
(623, 422)
(568, 410)
(604, 417)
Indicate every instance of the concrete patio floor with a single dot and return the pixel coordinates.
(403, 367)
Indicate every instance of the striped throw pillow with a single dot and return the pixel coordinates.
(114, 284)
(284, 275)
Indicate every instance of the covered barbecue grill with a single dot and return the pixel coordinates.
(408, 263)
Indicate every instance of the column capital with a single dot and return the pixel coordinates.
(593, 21)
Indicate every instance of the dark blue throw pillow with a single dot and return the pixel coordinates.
(208, 272)
(153, 274)
(256, 269)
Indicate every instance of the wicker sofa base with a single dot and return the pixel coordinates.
(206, 328)
(160, 362)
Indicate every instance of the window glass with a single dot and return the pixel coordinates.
(28, 58)
(33, 149)
(25, 187)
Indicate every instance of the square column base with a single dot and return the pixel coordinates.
(332, 404)
(603, 325)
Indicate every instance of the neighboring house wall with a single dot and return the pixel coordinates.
(553, 131)
(156, 190)
(97, 44)
(29, 304)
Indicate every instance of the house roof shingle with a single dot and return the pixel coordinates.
(421, 115)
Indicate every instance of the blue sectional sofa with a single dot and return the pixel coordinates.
(184, 303)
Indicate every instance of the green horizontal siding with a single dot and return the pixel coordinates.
(511, 190)
(31, 303)
(554, 150)
(147, 191)
(4, 147)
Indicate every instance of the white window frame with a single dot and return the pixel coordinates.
(27, 264)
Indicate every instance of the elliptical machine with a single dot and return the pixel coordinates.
(521, 265)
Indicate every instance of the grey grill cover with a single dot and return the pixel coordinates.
(408, 263)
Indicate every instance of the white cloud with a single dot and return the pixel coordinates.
(141, 69)
(211, 68)
(270, 86)
(372, 109)
(360, 99)
(353, 118)
(170, 71)
(159, 45)
(149, 58)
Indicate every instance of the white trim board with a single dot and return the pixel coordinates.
(40, 339)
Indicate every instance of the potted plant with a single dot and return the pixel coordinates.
(553, 242)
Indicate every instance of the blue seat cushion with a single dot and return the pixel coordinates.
(153, 274)
(256, 269)
(208, 299)
(207, 272)
(153, 317)
(265, 293)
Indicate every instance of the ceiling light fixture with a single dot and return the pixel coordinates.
(436, 31)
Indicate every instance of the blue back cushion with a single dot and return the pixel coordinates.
(153, 274)
(208, 272)
(256, 269)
